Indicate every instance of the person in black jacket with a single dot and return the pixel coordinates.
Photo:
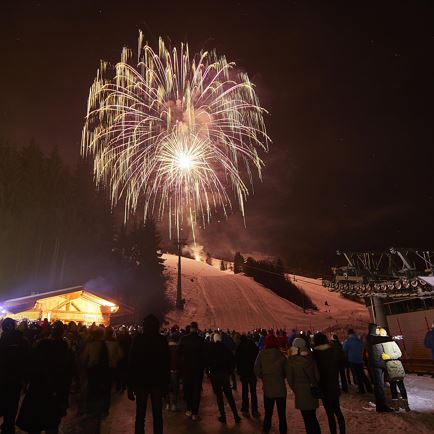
(13, 354)
(377, 367)
(51, 368)
(191, 350)
(328, 361)
(148, 374)
(245, 356)
(221, 363)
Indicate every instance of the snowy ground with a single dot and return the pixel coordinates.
(359, 420)
(217, 298)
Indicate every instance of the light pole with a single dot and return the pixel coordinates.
(179, 302)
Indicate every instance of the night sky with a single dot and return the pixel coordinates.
(349, 86)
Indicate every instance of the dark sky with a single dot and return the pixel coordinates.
(349, 86)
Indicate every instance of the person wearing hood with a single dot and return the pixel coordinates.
(149, 373)
(302, 376)
(353, 349)
(221, 363)
(245, 356)
(270, 368)
(13, 354)
(377, 366)
(328, 360)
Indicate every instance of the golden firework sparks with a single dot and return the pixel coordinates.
(176, 133)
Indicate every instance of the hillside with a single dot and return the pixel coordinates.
(217, 298)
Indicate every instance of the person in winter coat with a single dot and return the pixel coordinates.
(95, 358)
(51, 367)
(291, 337)
(245, 357)
(192, 354)
(173, 395)
(377, 366)
(229, 343)
(13, 354)
(115, 354)
(221, 363)
(302, 375)
(429, 341)
(328, 360)
(353, 349)
(124, 339)
(336, 343)
(270, 368)
(148, 374)
(395, 370)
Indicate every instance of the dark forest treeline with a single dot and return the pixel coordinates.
(272, 275)
(57, 229)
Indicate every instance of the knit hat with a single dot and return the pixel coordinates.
(271, 342)
(217, 337)
(299, 343)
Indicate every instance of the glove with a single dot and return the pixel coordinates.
(385, 357)
(131, 395)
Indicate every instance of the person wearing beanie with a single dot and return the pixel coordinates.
(270, 368)
(328, 360)
(220, 364)
(302, 376)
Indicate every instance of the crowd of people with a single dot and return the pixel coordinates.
(47, 362)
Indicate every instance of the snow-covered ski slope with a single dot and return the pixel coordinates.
(217, 298)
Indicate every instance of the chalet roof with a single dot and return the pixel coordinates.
(20, 304)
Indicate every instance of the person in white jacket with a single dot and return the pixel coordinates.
(391, 355)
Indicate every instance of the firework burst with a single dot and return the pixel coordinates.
(175, 134)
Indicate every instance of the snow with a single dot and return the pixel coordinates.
(222, 299)
(358, 420)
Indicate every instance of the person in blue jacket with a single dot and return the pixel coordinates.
(353, 349)
(429, 341)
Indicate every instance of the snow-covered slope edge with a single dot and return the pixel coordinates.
(216, 298)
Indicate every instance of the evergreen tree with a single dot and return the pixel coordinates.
(279, 268)
(208, 259)
(223, 266)
(272, 276)
(138, 253)
(238, 263)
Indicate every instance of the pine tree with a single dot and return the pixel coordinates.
(223, 266)
(208, 259)
(238, 263)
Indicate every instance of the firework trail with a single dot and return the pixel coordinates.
(174, 134)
